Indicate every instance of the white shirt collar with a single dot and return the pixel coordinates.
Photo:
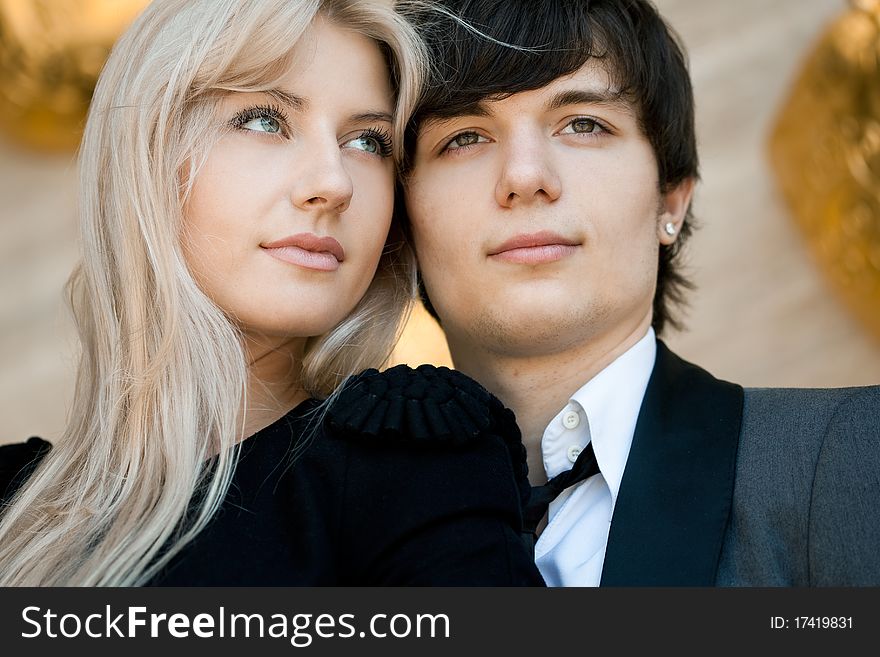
(608, 405)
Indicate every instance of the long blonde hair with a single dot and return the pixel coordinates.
(162, 373)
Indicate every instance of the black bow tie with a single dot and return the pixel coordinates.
(584, 467)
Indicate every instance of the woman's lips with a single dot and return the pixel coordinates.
(307, 250)
(534, 248)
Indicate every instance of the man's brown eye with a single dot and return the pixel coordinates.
(584, 125)
(466, 139)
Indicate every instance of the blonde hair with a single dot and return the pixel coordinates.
(162, 373)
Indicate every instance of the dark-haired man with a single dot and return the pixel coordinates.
(550, 170)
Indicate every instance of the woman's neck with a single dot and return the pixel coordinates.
(274, 380)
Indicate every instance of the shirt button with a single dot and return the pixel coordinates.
(571, 419)
(573, 452)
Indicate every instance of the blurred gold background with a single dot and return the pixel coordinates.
(786, 259)
(825, 149)
(51, 52)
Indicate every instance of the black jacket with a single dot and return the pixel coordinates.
(406, 481)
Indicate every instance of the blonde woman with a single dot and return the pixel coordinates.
(237, 175)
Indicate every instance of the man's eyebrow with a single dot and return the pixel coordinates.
(436, 119)
(605, 97)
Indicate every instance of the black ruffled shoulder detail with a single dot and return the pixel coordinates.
(431, 405)
(426, 406)
(17, 463)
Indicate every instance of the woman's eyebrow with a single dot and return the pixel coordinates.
(298, 103)
(293, 101)
(376, 115)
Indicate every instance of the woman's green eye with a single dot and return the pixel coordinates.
(263, 124)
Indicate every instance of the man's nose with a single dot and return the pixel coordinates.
(322, 182)
(528, 173)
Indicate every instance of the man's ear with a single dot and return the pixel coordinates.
(674, 204)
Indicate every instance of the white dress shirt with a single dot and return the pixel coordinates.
(571, 549)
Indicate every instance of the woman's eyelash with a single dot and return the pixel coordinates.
(382, 137)
(272, 111)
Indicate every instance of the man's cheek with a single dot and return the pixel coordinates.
(432, 247)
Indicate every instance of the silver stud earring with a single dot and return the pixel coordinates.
(669, 228)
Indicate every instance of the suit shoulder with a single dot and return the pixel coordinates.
(806, 409)
(860, 405)
(807, 479)
(807, 396)
(845, 501)
(853, 431)
(785, 432)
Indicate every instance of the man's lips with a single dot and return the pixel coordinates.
(307, 250)
(534, 248)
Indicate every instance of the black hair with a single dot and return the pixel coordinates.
(491, 49)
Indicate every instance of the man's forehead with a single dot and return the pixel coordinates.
(589, 85)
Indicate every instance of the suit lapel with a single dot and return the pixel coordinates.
(675, 497)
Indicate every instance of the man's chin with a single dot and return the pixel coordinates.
(524, 330)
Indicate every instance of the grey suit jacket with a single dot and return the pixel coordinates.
(762, 487)
(806, 504)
